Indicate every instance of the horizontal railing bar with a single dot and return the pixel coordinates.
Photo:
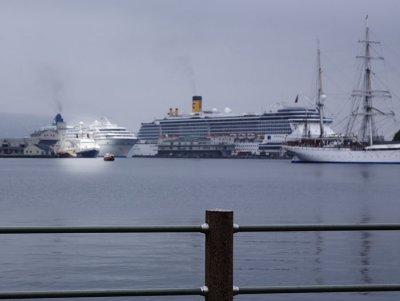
(316, 227)
(105, 293)
(317, 289)
(199, 228)
(200, 291)
(103, 229)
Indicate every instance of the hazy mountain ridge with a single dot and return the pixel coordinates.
(21, 125)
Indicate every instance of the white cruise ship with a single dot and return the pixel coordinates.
(111, 138)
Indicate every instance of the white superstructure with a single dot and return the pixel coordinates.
(144, 149)
(79, 142)
(111, 138)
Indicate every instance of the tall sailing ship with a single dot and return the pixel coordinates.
(362, 142)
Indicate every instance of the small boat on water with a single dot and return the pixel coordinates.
(109, 157)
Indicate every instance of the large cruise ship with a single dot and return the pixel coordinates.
(111, 138)
(248, 130)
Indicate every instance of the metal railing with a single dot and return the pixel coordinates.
(219, 230)
(101, 229)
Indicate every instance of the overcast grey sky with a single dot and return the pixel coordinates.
(132, 60)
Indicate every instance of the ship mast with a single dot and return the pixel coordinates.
(367, 129)
(320, 94)
(367, 125)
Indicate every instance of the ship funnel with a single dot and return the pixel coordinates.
(196, 104)
(59, 122)
(176, 112)
(170, 113)
(58, 119)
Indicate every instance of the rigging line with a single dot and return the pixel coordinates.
(385, 130)
(381, 82)
(340, 122)
(359, 77)
(337, 85)
(337, 70)
(394, 94)
(393, 48)
(344, 94)
(377, 37)
(311, 88)
(383, 122)
(335, 115)
(384, 86)
(393, 51)
(332, 65)
(374, 51)
(391, 68)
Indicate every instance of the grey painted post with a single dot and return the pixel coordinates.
(219, 255)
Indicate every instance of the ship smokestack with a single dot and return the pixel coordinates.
(176, 112)
(196, 104)
(170, 113)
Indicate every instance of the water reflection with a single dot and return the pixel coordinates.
(365, 172)
(363, 246)
(365, 250)
(319, 240)
(83, 165)
(317, 258)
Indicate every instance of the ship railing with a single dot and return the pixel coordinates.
(219, 231)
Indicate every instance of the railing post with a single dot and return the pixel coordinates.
(219, 255)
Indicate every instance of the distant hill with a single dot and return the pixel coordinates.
(21, 125)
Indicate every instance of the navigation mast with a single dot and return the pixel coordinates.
(320, 95)
(368, 130)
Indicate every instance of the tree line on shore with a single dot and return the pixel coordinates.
(396, 136)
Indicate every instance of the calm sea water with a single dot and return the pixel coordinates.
(50, 192)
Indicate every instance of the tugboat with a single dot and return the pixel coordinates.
(109, 157)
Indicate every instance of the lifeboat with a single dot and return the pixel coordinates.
(109, 157)
(251, 136)
(242, 136)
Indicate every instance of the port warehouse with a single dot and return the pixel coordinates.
(23, 147)
(196, 148)
(219, 231)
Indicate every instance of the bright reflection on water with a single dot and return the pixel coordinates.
(74, 192)
(81, 165)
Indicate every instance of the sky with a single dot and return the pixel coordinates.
(132, 60)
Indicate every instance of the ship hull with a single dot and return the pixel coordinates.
(145, 150)
(117, 147)
(88, 153)
(343, 155)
